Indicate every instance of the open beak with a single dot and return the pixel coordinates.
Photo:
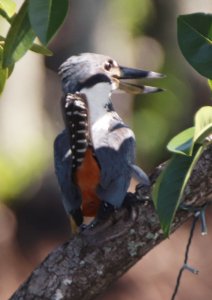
(129, 73)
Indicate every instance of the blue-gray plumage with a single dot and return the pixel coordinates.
(88, 80)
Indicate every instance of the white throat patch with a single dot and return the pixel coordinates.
(98, 96)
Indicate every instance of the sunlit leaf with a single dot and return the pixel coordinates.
(4, 15)
(169, 188)
(19, 38)
(41, 50)
(182, 143)
(195, 41)
(3, 72)
(46, 16)
(203, 124)
(7, 8)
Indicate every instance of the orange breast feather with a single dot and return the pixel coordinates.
(88, 177)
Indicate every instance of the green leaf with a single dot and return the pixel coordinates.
(203, 124)
(3, 78)
(10, 70)
(41, 50)
(3, 72)
(210, 84)
(170, 186)
(46, 16)
(7, 8)
(182, 143)
(195, 41)
(19, 38)
(4, 15)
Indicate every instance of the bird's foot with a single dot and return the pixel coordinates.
(107, 215)
(142, 194)
(102, 220)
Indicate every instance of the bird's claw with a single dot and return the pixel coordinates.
(143, 192)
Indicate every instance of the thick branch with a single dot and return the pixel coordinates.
(87, 264)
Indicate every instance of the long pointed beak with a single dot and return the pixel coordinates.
(130, 73)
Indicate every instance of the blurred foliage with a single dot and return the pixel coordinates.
(155, 119)
(132, 16)
(19, 171)
(194, 36)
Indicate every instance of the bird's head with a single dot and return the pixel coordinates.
(88, 69)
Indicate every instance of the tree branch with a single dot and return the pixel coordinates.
(86, 265)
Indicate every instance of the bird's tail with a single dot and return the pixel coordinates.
(139, 175)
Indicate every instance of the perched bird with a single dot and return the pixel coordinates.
(95, 154)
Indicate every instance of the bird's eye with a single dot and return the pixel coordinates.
(108, 65)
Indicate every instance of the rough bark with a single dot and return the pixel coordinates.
(86, 265)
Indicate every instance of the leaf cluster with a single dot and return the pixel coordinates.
(195, 42)
(35, 19)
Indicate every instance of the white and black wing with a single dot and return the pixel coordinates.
(63, 169)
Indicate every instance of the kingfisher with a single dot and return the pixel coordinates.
(95, 153)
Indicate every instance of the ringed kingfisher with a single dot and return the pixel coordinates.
(95, 153)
